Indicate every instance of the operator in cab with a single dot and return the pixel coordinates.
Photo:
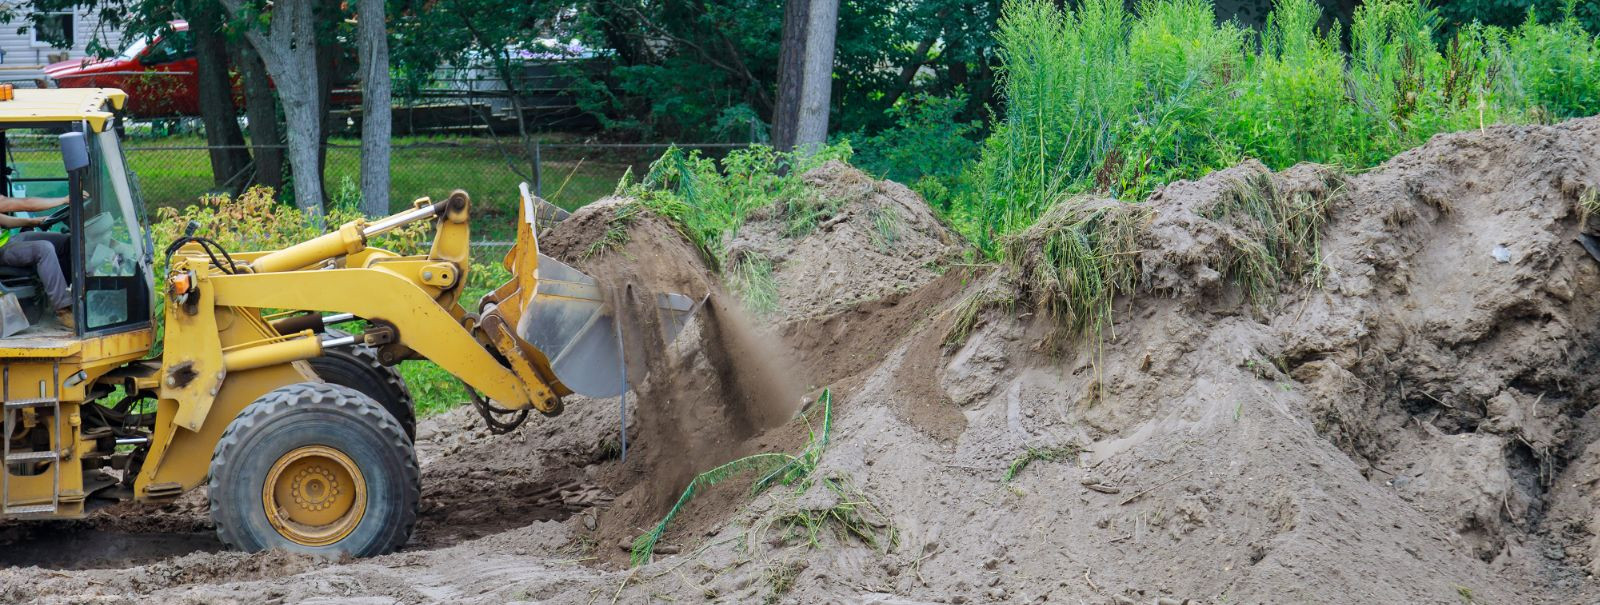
(47, 253)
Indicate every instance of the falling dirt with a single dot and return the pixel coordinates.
(1405, 420)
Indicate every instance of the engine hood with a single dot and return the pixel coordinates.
(72, 67)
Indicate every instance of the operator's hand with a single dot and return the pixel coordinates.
(31, 221)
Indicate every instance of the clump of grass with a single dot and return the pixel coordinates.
(1039, 454)
(1075, 260)
(1588, 206)
(749, 275)
(780, 577)
(1272, 235)
(616, 234)
(968, 311)
(805, 211)
(775, 468)
(886, 227)
(851, 515)
(1084, 252)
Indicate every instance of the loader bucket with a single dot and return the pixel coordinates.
(571, 320)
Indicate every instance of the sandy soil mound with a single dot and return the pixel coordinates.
(1314, 387)
(873, 239)
(1395, 427)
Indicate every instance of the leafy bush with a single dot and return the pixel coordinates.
(1103, 99)
(1556, 66)
(710, 199)
(254, 220)
(926, 149)
(1510, 13)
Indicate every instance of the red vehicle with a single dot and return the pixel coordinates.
(160, 76)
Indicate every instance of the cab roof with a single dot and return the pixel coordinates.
(35, 105)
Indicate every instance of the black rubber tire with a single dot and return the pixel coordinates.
(315, 413)
(357, 367)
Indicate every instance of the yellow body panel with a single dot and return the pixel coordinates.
(35, 105)
(221, 353)
(28, 371)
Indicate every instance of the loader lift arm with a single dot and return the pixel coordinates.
(413, 299)
(222, 350)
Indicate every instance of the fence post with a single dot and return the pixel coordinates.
(538, 176)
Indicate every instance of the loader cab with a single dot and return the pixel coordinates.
(109, 272)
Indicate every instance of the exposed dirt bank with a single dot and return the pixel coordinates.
(1403, 416)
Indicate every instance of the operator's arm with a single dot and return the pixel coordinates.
(10, 222)
(29, 204)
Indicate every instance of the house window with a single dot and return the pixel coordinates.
(55, 30)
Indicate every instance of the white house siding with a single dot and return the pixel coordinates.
(22, 61)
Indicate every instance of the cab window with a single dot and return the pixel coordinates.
(33, 164)
(116, 289)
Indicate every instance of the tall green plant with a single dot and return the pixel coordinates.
(1556, 65)
(710, 199)
(1119, 103)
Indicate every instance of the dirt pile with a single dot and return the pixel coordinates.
(859, 239)
(1306, 387)
(1403, 422)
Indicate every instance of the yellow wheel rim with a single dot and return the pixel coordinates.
(314, 495)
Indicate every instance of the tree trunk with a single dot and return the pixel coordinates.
(376, 114)
(816, 95)
(266, 133)
(327, 13)
(229, 158)
(288, 49)
(791, 73)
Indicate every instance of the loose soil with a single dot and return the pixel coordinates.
(1407, 421)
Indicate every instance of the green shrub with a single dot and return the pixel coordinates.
(1101, 99)
(1556, 67)
(710, 199)
(256, 221)
(927, 149)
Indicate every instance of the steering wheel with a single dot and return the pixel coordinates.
(56, 217)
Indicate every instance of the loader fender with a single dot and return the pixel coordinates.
(357, 367)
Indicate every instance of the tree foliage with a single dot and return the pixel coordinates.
(689, 69)
(1511, 13)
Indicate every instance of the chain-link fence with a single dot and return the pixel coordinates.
(568, 174)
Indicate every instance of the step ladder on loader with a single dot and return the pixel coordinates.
(13, 410)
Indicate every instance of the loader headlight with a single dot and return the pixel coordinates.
(180, 284)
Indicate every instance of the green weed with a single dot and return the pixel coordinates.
(750, 276)
(851, 515)
(616, 234)
(774, 468)
(1044, 454)
(434, 390)
(709, 200)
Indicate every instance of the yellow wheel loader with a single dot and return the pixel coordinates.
(301, 432)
